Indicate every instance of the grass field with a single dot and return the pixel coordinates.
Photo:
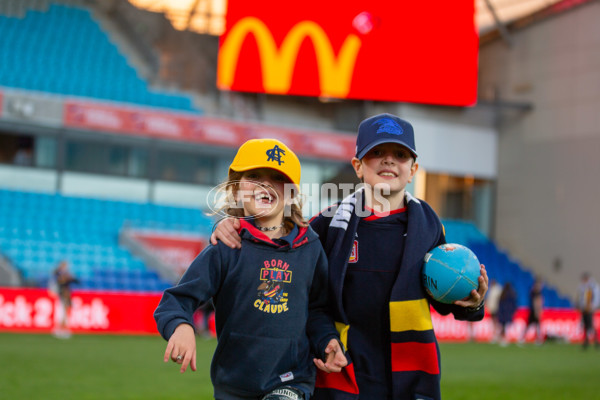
(131, 367)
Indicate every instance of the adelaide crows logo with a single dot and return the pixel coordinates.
(388, 125)
(275, 154)
(271, 296)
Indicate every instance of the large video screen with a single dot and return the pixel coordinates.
(402, 51)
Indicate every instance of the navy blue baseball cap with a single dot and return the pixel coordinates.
(384, 128)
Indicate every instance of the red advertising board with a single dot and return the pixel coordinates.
(557, 324)
(36, 310)
(213, 131)
(132, 120)
(175, 251)
(410, 51)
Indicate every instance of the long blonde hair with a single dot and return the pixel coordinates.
(292, 213)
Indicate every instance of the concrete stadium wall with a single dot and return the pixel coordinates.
(547, 194)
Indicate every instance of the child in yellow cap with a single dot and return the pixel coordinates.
(270, 295)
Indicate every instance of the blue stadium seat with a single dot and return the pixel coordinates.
(70, 228)
(499, 265)
(95, 254)
(64, 50)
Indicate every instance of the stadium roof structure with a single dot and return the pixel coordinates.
(492, 13)
(496, 18)
(208, 16)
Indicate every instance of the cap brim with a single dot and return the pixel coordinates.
(248, 168)
(364, 151)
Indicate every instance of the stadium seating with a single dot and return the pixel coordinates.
(39, 230)
(63, 50)
(499, 265)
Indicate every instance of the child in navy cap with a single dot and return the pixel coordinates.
(384, 128)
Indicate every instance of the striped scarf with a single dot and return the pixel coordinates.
(414, 349)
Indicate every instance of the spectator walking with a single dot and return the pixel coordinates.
(507, 306)
(588, 300)
(62, 280)
(492, 301)
(536, 307)
(202, 318)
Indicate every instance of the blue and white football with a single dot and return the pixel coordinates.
(450, 271)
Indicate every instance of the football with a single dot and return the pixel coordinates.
(450, 271)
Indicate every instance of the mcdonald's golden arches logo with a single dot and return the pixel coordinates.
(335, 71)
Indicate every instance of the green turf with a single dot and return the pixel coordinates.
(98, 367)
(488, 371)
(131, 367)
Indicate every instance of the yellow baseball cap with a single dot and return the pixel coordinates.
(267, 153)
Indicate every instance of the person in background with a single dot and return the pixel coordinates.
(507, 306)
(588, 300)
(63, 280)
(202, 319)
(24, 157)
(492, 301)
(536, 308)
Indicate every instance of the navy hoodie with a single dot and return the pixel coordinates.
(270, 299)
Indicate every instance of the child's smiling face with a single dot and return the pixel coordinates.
(388, 165)
(263, 194)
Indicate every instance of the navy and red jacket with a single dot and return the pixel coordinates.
(413, 350)
(270, 301)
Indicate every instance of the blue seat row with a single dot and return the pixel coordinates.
(500, 266)
(64, 50)
(101, 280)
(39, 230)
